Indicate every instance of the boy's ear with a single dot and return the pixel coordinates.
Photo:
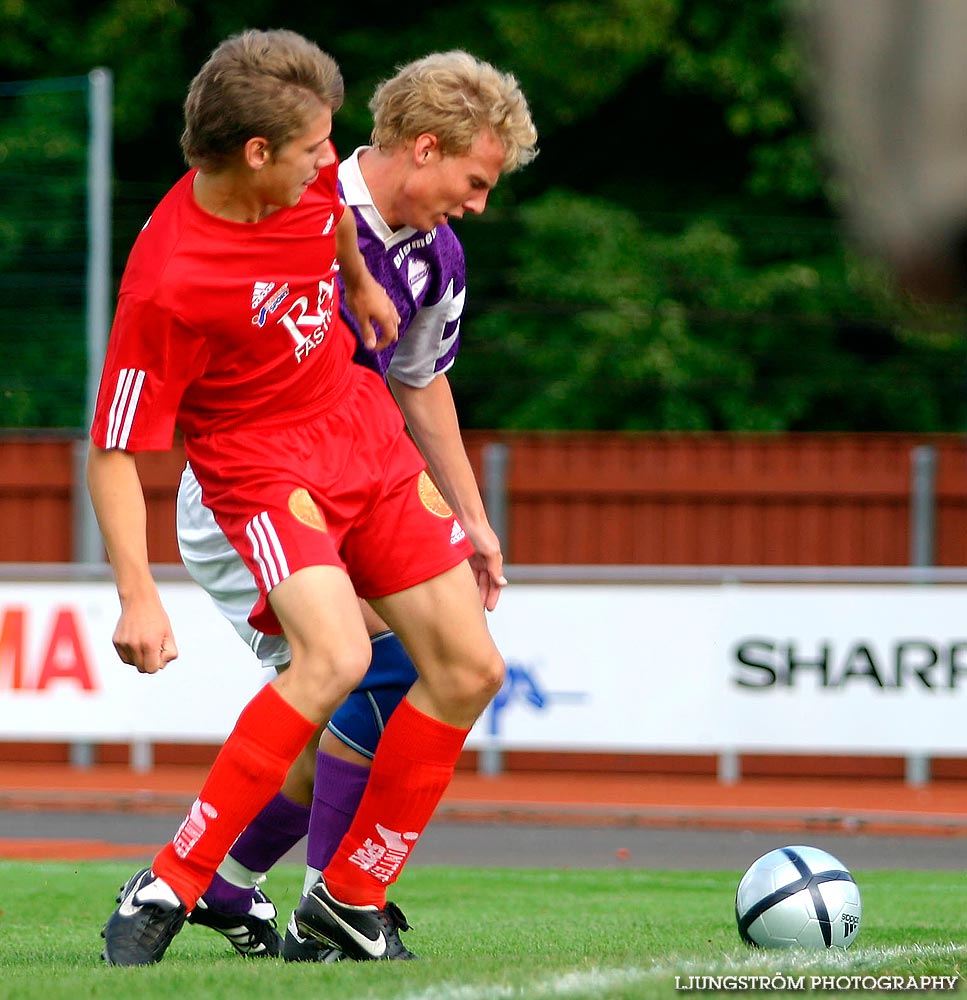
(256, 152)
(424, 146)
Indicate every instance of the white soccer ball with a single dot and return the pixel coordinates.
(798, 896)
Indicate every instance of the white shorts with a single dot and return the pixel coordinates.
(213, 563)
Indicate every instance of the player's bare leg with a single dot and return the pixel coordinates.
(443, 627)
(331, 780)
(273, 729)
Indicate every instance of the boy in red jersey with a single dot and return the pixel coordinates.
(228, 328)
(399, 198)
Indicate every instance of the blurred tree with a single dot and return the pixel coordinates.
(632, 329)
(684, 269)
(670, 260)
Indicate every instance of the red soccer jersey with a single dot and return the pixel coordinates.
(224, 324)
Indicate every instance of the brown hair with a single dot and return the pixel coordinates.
(256, 83)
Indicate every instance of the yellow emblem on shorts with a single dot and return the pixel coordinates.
(304, 509)
(430, 497)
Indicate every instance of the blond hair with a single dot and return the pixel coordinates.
(256, 83)
(455, 97)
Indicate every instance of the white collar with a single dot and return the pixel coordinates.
(357, 195)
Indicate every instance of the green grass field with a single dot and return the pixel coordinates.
(483, 934)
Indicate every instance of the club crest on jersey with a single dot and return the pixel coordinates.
(417, 273)
(303, 508)
(431, 497)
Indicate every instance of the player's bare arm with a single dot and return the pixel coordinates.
(365, 296)
(143, 636)
(432, 419)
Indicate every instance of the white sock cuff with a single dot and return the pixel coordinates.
(238, 875)
(312, 876)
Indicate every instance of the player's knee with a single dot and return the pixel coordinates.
(492, 678)
(349, 665)
(321, 678)
(477, 680)
(360, 719)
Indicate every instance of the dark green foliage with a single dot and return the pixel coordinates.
(672, 259)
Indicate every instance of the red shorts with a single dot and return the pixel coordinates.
(344, 488)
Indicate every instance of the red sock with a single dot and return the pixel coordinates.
(247, 772)
(413, 765)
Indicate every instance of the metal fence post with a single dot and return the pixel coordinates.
(100, 99)
(495, 459)
(923, 519)
(923, 462)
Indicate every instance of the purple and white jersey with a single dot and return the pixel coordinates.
(425, 276)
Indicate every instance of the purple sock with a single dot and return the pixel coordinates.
(271, 835)
(339, 787)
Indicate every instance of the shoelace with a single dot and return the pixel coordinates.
(247, 937)
(396, 918)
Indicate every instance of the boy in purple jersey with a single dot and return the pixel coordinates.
(401, 211)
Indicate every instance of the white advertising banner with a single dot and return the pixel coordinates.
(695, 668)
(60, 678)
(859, 668)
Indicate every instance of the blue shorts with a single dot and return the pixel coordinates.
(360, 719)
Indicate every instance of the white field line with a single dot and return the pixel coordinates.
(566, 984)
(853, 960)
(856, 961)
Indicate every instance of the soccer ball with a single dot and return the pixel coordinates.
(798, 896)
